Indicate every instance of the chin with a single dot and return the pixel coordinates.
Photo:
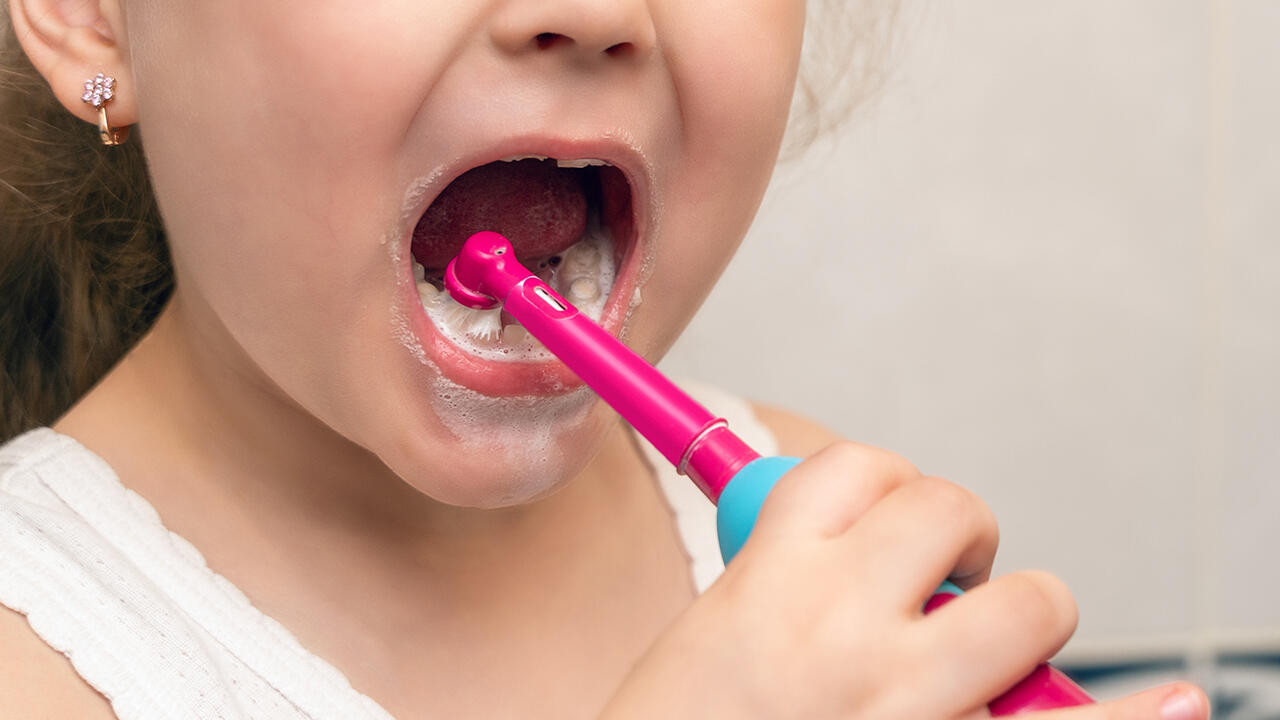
(502, 452)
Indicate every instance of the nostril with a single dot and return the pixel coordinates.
(546, 40)
(622, 49)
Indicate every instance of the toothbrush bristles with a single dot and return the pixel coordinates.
(479, 324)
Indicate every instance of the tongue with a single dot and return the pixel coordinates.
(540, 207)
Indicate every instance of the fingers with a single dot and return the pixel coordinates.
(928, 529)
(920, 534)
(1178, 701)
(1012, 623)
(826, 493)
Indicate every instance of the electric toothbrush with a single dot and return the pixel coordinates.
(737, 479)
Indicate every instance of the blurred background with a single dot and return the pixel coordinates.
(1044, 262)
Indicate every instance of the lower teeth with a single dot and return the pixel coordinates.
(516, 336)
(584, 289)
(584, 275)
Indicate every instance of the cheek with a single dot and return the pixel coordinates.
(737, 67)
(291, 115)
(272, 131)
(247, 109)
(735, 85)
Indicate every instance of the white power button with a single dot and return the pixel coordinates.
(542, 293)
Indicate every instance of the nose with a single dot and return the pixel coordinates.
(589, 29)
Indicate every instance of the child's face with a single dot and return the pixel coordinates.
(295, 147)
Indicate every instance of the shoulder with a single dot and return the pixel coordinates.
(797, 435)
(37, 681)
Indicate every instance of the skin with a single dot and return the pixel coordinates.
(286, 141)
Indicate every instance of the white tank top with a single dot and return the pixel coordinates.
(146, 622)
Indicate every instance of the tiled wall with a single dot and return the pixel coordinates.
(1048, 259)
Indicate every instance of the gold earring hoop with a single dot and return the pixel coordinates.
(98, 91)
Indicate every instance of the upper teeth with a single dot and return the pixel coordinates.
(574, 163)
(579, 163)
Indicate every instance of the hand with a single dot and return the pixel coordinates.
(819, 616)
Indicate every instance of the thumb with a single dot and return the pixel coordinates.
(1178, 701)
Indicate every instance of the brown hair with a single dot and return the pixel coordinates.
(84, 266)
(847, 49)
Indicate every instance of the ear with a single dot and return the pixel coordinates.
(70, 41)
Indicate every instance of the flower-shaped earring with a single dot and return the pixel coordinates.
(98, 91)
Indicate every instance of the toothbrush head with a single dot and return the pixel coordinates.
(484, 271)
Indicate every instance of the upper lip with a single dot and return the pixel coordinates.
(622, 155)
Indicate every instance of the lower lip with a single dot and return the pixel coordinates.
(511, 379)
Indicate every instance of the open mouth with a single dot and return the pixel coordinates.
(571, 221)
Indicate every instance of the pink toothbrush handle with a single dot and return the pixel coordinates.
(1046, 688)
(687, 434)
(665, 415)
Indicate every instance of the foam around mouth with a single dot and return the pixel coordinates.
(583, 273)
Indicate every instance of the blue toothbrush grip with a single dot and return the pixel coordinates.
(740, 501)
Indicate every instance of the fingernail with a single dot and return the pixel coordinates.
(1181, 706)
